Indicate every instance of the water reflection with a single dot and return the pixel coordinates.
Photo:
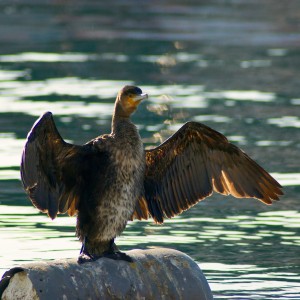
(167, 60)
(61, 86)
(288, 179)
(59, 108)
(47, 57)
(11, 75)
(278, 52)
(264, 283)
(255, 63)
(177, 96)
(246, 95)
(286, 121)
(10, 151)
(295, 101)
(212, 118)
(32, 236)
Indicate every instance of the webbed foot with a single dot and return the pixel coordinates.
(83, 258)
(112, 252)
(118, 256)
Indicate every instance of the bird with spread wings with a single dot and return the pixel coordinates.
(112, 179)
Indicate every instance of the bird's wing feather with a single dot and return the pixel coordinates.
(193, 163)
(53, 172)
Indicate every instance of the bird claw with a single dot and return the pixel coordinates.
(83, 258)
(118, 256)
(112, 253)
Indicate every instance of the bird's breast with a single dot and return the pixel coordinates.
(119, 200)
(129, 164)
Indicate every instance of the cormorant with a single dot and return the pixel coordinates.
(112, 179)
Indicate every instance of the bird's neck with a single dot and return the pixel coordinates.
(122, 127)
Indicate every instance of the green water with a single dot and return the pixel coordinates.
(233, 65)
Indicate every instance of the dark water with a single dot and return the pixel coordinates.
(233, 65)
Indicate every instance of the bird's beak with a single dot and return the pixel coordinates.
(140, 97)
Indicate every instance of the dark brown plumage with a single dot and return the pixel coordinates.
(193, 163)
(112, 179)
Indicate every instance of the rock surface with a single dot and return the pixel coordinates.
(154, 274)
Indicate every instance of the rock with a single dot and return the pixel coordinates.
(154, 274)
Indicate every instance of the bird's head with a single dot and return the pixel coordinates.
(128, 100)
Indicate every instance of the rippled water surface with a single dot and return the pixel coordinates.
(233, 65)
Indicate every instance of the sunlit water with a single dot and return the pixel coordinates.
(209, 63)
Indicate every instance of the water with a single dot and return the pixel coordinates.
(233, 65)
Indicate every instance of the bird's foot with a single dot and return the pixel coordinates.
(83, 257)
(112, 252)
(117, 256)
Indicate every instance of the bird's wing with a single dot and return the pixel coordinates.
(54, 172)
(193, 163)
